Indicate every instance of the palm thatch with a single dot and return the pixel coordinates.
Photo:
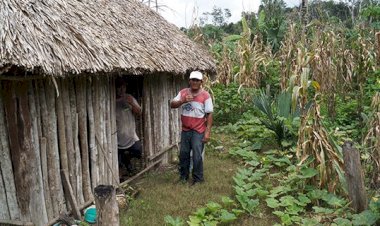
(60, 37)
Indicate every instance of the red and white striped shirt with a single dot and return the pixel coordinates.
(193, 115)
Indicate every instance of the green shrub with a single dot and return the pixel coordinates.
(230, 102)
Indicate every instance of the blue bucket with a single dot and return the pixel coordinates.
(90, 214)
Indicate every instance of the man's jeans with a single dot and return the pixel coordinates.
(191, 141)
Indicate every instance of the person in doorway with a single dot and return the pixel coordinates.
(129, 145)
(196, 116)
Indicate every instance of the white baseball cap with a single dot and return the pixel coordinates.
(196, 75)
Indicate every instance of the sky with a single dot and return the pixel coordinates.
(183, 12)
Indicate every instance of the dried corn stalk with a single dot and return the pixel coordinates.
(372, 142)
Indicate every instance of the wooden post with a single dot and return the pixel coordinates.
(106, 205)
(354, 177)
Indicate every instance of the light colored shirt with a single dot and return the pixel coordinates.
(193, 113)
(125, 124)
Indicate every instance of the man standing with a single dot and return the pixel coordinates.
(196, 116)
(129, 145)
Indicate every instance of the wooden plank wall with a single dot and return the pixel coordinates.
(162, 124)
(46, 127)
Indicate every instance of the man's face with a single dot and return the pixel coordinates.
(121, 90)
(195, 84)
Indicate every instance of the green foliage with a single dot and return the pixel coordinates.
(279, 115)
(370, 216)
(372, 15)
(329, 11)
(346, 124)
(212, 33)
(214, 213)
(272, 23)
(271, 75)
(170, 221)
(230, 102)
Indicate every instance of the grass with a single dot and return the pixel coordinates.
(160, 196)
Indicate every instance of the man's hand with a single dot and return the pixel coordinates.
(207, 136)
(188, 98)
(129, 99)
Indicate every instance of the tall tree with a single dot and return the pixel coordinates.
(218, 15)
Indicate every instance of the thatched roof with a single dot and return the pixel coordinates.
(58, 37)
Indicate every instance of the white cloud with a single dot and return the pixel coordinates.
(183, 12)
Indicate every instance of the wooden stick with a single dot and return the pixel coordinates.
(139, 174)
(70, 195)
(78, 165)
(4, 212)
(61, 130)
(52, 151)
(45, 178)
(39, 208)
(6, 166)
(75, 131)
(98, 129)
(91, 138)
(108, 132)
(113, 174)
(150, 158)
(42, 117)
(65, 94)
(14, 222)
(115, 159)
(82, 123)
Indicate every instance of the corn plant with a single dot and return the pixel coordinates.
(227, 60)
(292, 55)
(327, 46)
(314, 141)
(252, 55)
(372, 142)
(364, 55)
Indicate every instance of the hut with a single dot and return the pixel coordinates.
(58, 63)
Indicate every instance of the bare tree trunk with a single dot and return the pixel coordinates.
(50, 131)
(61, 130)
(81, 101)
(106, 205)
(91, 139)
(114, 150)
(38, 209)
(19, 154)
(4, 212)
(77, 162)
(69, 135)
(96, 99)
(107, 122)
(24, 155)
(44, 166)
(6, 167)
